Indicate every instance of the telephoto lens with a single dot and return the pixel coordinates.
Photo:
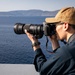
(35, 29)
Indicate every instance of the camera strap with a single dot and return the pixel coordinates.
(47, 45)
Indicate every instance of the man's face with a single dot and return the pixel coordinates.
(60, 31)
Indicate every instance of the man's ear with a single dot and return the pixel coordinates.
(66, 26)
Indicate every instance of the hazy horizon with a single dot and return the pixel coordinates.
(45, 5)
(27, 10)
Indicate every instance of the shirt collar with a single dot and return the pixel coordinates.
(72, 37)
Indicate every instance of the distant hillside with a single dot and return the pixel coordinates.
(29, 13)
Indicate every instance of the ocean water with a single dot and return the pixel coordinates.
(17, 49)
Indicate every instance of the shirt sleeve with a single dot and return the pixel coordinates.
(39, 59)
(43, 65)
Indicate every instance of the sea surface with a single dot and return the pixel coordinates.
(17, 49)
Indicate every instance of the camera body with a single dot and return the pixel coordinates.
(37, 30)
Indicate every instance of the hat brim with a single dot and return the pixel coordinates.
(51, 20)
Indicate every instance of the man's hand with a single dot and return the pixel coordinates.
(54, 42)
(32, 39)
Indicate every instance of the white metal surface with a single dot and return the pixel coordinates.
(17, 69)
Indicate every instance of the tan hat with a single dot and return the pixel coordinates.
(64, 15)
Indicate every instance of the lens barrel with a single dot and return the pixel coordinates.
(35, 29)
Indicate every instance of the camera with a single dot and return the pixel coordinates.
(37, 30)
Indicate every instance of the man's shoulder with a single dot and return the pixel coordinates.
(64, 51)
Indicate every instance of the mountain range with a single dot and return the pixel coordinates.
(29, 13)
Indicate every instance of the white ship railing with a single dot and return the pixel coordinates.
(17, 69)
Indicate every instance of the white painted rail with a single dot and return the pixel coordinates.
(17, 69)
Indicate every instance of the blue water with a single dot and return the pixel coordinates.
(16, 49)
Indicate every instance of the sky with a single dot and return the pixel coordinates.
(45, 5)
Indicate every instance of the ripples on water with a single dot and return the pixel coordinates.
(16, 49)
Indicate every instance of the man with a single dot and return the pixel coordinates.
(62, 61)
